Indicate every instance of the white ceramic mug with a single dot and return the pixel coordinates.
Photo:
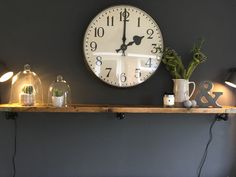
(181, 90)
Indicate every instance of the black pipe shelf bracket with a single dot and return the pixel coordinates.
(11, 115)
(223, 116)
(120, 116)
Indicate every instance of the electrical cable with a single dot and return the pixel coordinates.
(203, 160)
(14, 148)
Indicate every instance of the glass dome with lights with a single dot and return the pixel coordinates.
(59, 94)
(26, 88)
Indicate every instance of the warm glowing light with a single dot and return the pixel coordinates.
(228, 97)
(230, 84)
(6, 76)
(14, 79)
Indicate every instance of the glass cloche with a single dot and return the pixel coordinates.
(59, 94)
(26, 88)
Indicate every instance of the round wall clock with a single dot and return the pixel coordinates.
(122, 46)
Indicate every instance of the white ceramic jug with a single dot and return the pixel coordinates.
(181, 90)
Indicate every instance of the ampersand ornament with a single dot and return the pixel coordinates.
(205, 97)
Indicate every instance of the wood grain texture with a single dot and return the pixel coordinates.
(87, 108)
(72, 108)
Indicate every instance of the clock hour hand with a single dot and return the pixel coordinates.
(136, 40)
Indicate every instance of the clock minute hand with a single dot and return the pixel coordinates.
(124, 32)
(124, 28)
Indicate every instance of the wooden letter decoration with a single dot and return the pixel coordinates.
(205, 98)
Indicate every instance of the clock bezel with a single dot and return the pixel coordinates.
(89, 26)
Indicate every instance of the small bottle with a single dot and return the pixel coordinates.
(168, 100)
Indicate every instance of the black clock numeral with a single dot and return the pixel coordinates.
(123, 77)
(98, 60)
(99, 32)
(110, 21)
(109, 71)
(124, 15)
(149, 63)
(138, 21)
(93, 46)
(137, 73)
(155, 48)
(150, 33)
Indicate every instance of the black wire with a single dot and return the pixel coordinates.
(206, 149)
(14, 149)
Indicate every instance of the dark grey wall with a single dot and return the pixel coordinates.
(49, 36)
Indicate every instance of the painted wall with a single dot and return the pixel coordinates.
(49, 36)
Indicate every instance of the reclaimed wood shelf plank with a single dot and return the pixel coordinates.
(87, 108)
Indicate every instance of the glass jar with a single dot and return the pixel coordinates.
(168, 100)
(26, 88)
(59, 93)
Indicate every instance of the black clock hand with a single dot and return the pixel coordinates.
(124, 32)
(136, 40)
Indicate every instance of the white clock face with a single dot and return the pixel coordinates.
(122, 46)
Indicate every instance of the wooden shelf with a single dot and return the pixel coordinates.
(87, 108)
